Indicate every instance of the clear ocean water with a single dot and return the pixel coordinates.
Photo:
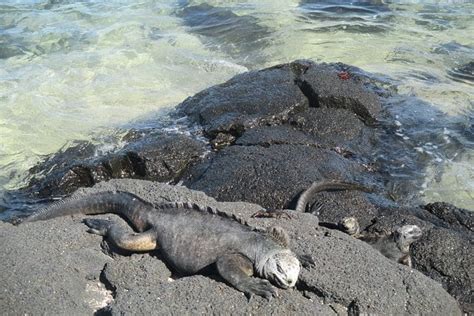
(78, 70)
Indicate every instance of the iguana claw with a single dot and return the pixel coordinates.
(260, 287)
(307, 261)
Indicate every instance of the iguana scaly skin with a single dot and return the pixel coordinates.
(190, 238)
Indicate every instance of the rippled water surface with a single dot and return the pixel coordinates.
(78, 70)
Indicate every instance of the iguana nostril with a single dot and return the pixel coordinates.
(290, 282)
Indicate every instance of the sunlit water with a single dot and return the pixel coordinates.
(79, 70)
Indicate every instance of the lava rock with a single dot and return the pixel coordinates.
(247, 100)
(270, 176)
(455, 217)
(160, 158)
(51, 268)
(52, 276)
(447, 256)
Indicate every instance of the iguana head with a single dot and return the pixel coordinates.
(350, 225)
(282, 268)
(404, 236)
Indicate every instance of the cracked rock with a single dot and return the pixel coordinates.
(248, 100)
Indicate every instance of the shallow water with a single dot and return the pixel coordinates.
(79, 70)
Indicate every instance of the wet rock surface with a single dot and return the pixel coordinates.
(248, 100)
(161, 158)
(268, 135)
(55, 259)
(454, 217)
(283, 132)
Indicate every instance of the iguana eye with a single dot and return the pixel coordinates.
(279, 269)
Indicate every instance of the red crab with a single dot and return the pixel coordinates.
(344, 75)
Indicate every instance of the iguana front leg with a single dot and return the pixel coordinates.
(124, 239)
(238, 271)
(306, 261)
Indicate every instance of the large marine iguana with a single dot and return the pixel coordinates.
(190, 238)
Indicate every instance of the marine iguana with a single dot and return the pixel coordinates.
(395, 246)
(191, 238)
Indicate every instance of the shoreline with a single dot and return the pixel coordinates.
(268, 135)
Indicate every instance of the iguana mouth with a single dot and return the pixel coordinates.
(281, 284)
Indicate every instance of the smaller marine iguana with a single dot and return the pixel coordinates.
(191, 238)
(395, 246)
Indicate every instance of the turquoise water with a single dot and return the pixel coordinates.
(79, 70)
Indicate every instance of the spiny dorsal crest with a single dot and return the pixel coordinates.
(207, 209)
(279, 235)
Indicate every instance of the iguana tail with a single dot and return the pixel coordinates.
(117, 202)
(325, 186)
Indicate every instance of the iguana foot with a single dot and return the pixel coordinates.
(237, 269)
(98, 226)
(17, 221)
(350, 225)
(307, 261)
(272, 214)
(260, 287)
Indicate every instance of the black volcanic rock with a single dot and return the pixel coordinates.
(455, 217)
(248, 100)
(160, 158)
(293, 124)
(270, 176)
(447, 257)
